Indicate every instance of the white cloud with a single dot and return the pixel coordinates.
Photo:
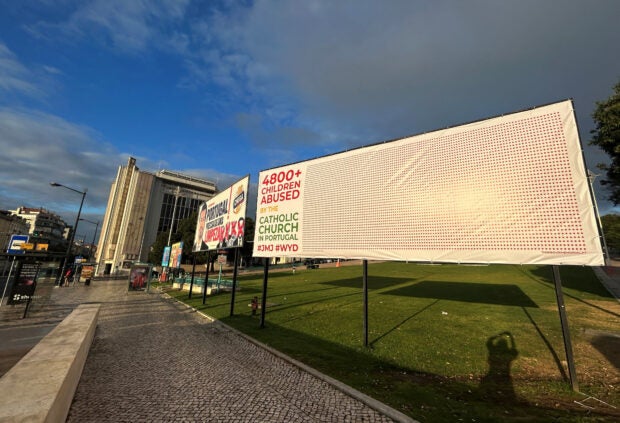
(14, 77)
(128, 26)
(364, 71)
(39, 148)
(341, 74)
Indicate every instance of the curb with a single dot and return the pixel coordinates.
(40, 387)
(378, 406)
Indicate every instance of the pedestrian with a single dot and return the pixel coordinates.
(254, 305)
(68, 276)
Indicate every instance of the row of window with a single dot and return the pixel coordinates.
(184, 208)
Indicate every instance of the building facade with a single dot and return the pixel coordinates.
(11, 224)
(45, 227)
(142, 205)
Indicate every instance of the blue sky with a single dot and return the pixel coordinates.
(221, 89)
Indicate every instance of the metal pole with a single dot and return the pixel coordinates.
(69, 247)
(94, 235)
(8, 279)
(599, 224)
(263, 301)
(204, 290)
(234, 283)
(92, 244)
(365, 288)
(572, 374)
(191, 283)
(174, 212)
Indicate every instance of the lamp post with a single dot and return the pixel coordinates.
(177, 192)
(92, 244)
(77, 220)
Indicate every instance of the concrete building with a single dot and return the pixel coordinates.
(141, 205)
(11, 224)
(45, 227)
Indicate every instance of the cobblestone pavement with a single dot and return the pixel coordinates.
(153, 360)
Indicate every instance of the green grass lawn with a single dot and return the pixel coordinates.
(438, 335)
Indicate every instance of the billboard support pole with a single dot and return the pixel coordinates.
(565, 331)
(365, 288)
(191, 282)
(204, 288)
(234, 283)
(8, 280)
(263, 301)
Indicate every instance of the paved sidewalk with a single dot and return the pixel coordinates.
(50, 307)
(610, 278)
(154, 360)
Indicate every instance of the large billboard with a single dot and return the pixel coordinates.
(511, 189)
(221, 220)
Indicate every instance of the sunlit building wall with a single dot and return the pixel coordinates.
(140, 206)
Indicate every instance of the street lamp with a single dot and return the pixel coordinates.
(77, 219)
(177, 192)
(94, 235)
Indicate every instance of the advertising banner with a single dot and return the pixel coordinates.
(25, 283)
(165, 258)
(87, 271)
(280, 211)
(138, 277)
(511, 189)
(176, 253)
(221, 220)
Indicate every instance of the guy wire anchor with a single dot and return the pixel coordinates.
(581, 403)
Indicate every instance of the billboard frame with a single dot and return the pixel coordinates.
(219, 225)
(594, 226)
(501, 242)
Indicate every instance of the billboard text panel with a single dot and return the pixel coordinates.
(511, 189)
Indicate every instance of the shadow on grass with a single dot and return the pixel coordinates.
(374, 282)
(609, 346)
(423, 309)
(499, 294)
(556, 358)
(259, 276)
(422, 395)
(497, 383)
(289, 293)
(280, 307)
(583, 283)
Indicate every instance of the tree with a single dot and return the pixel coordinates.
(157, 249)
(611, 229)
(185, 232)
(606, 136)
(248, 241)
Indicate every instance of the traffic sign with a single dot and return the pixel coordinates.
(15, 244)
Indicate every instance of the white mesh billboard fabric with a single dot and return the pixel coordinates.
(221, 220)
(511, 189)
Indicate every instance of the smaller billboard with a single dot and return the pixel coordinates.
(87, 271)
(165, 258)
(221, 220)
(25, 283)
(138, 277)
(176, 253)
